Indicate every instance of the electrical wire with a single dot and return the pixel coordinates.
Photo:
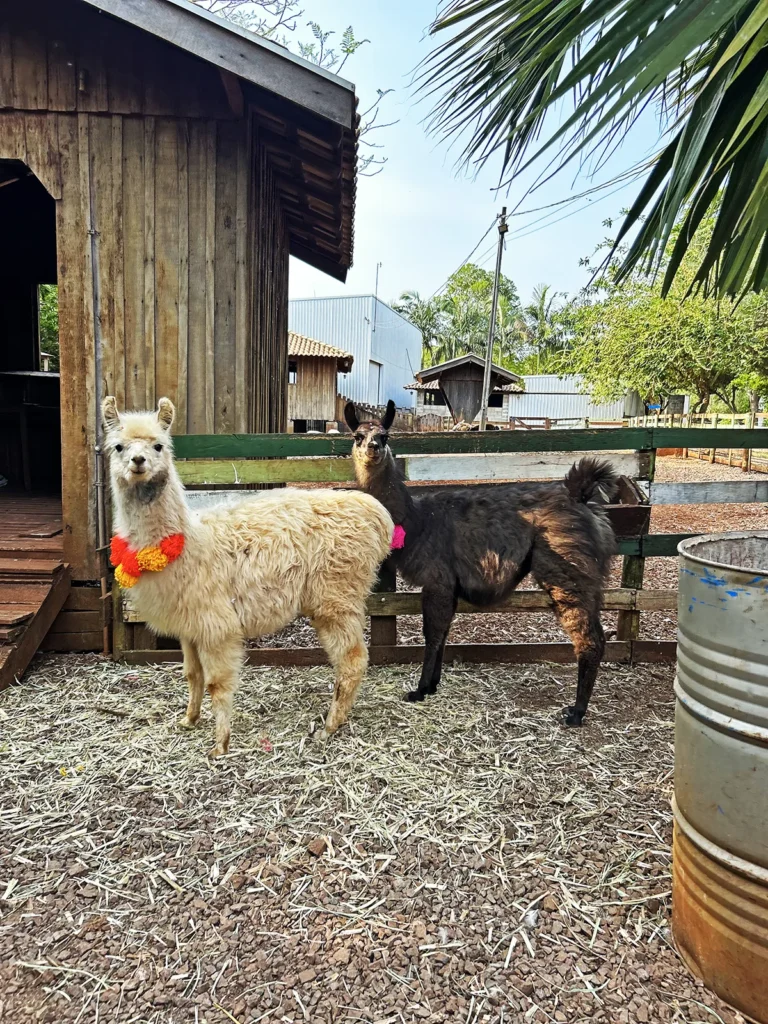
(467, 259)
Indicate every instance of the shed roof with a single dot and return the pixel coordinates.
(301, 346)
(433, 372)
(434, 385)
(306, 118)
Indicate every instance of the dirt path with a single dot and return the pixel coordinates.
(463, 860)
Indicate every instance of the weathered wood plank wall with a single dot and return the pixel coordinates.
(313, 396)
(172, 245)
(92, 63)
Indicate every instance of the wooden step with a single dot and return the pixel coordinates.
(15, 614)
(25, 639)
(32, 547)
(29, 570)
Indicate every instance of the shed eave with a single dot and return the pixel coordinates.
(234, 49)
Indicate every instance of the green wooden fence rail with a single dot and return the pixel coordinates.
(242, 459)
(270, 446)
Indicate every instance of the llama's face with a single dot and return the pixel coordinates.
(371, 443)
(371, 438)
(139, 444)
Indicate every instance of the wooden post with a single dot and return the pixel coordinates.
(384, 627)
(746, 454)
(121, 641)
(632, 573)
(713, 453)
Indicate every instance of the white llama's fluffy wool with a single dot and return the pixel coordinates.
(247, 569)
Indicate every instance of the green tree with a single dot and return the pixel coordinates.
(540, 327)
(48, 299)
(629, 335)
(455, 322)
(503, 69)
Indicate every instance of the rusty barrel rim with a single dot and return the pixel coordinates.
(685, 547)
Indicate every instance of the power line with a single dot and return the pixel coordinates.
(466, 260)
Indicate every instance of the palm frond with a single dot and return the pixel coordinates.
(508, 66)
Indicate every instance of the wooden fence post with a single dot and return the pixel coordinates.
(384, 627)
(632, 573)
(746, 454)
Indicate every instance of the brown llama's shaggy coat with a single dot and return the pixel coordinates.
(247, 569)
(478, 543)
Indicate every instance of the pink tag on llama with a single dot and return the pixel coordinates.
(398, 539)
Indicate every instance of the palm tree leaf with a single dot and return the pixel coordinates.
(509, 63)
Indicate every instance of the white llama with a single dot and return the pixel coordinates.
(214, 578)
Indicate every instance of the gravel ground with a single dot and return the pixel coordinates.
(463, 860)
(660, 573)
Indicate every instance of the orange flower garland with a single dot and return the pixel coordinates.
(130, 563)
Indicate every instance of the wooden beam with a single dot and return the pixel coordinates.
(624, 599)
(233, 91)
(737, 492)
(227, 46)
(517, 466)
(233, 446)
(639, 651)
(486, 467)
(252, 446)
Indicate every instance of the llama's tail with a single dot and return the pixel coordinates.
(591, 480)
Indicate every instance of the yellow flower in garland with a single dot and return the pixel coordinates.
(124, 579)
(151, 559)
(130, 564)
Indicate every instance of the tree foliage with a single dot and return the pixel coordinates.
(504, 68)
(630, 335)
(281, 20)
(455, 322)
(48, 299)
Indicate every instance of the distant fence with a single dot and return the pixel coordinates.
(747, 459)
(433, 460)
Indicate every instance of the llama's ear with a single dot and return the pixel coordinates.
(389, 415)
(165, 413)
(351, 416)
(109, 413)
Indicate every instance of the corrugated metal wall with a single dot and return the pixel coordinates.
(348, 323)
(559, 398)
(396, 344)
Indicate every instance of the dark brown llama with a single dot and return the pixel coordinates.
(478, 543)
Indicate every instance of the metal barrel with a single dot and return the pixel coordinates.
(720, 853)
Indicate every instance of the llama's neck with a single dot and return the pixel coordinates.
(146, 513)
(385, 483)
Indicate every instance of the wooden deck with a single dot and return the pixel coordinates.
(34, 582)
(30, 526)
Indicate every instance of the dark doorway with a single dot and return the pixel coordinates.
(30, 428)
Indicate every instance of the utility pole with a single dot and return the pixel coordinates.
(492, 325)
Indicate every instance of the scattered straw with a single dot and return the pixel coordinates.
(462, 860)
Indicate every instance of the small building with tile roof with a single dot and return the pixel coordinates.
(454, 388)
(313, 369)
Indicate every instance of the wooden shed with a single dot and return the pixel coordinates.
(159, 164)
(313, 369)
(458, 386)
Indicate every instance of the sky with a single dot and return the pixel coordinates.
(419, 218)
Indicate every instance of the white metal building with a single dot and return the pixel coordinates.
(546, 396)
(385, 346)
(557, 398)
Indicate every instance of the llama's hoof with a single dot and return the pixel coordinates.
(185, 722)
(572, 716)
(217, 750)
(322, 735)
(414, 696)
